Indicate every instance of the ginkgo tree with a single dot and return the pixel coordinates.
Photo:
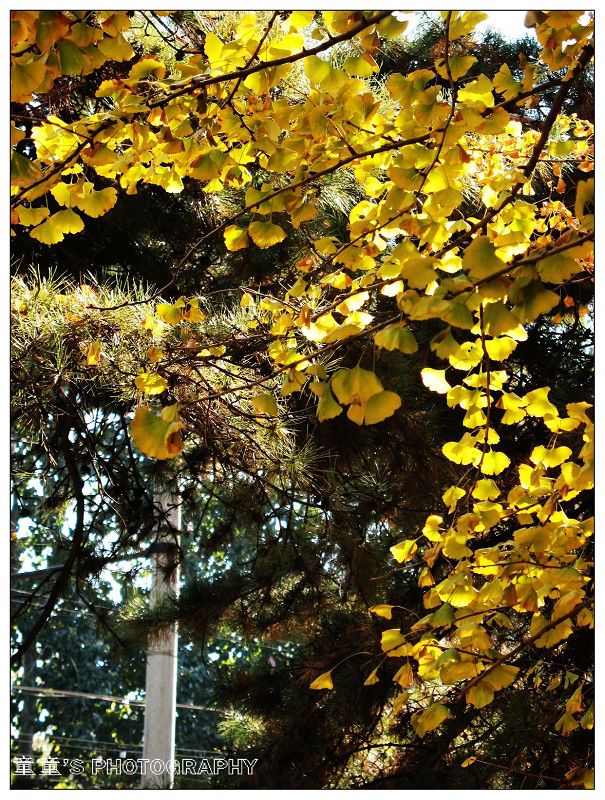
(474, 218)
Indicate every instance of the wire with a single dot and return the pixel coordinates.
(43, 691)
(110, 746)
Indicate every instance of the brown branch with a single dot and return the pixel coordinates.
(200, 83)
(253, 56)
(519, 648)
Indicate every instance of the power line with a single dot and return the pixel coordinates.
(104, 746)
(43, 691)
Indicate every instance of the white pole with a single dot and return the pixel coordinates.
(161, 678)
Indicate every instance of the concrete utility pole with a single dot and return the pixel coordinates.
(161, 679)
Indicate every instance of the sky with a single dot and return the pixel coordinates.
(508, 23)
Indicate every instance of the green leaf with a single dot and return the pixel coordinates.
(23, 170)
(72, 60)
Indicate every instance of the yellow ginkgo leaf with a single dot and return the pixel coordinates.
(213, 351)
(117, 48)
(376, 409)
(151, 383)
(458, 671)
(327, 408)
(316, 69)
(266, 234)
(157, 437)
(462, 452)
(23, 170)
(382, 611)
(27, 73)
(404, 675)
(31, 216)
(396, 337)
(53, 230)
(502, 676)
(324, 681)
(172, 313)
(480, 695)
(94, 203)
(63, 193)
(360, 66)
(451, 497)
(458, 66)
(454, 546)
(538, 404)
(480, 259)
(400, 701)
(486, 489)
(372, 678)
(430, 718)
(355, 385)
(391, 639)
(236, 238)
(499, 319)
(93, 354)
(500, 349)
(146, 68)
(192, 311)
(434, 379)
(298, 20)
(463, 22)
(566, 724)
(404, 551)
(265, 404)
(494, 462)
(514, 407)
(552, 457)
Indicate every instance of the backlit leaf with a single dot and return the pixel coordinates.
(53, 230)
(265, 404)
(157, 436)
(266, 234)
(404, 551)
(151, 383)
(323, 681)
(430, 718)
(236, 238)
(434, 379)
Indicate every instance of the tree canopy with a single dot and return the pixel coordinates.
(337, 286)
